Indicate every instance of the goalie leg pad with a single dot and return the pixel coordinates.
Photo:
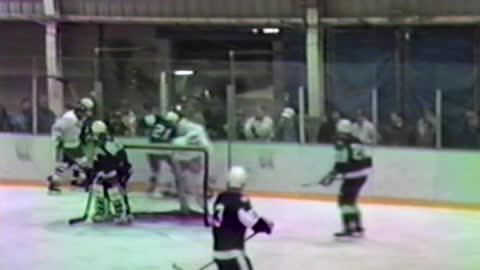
(101, 205)
(121, 206)
(116, 197)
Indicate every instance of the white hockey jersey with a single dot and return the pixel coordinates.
(67, 130)
(191, 134)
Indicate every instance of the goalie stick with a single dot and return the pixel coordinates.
(86, 213)
(176, 267)
(84, 217)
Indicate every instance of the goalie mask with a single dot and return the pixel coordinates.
(99, 130)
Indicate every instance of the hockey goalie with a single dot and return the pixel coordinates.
(111, 172)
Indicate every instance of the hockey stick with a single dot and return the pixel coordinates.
(74, 221)
(176, 267)
(325, 181)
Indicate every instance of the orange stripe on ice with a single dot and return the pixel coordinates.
(140, 187)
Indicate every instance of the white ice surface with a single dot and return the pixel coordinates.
(34, 236)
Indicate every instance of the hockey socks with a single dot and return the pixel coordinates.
(351, 219)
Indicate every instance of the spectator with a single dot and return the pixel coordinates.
(426, 130)
(5, 123)
(327, 130)
(397, 132)
(142, 128)
(259, 127)
(425, 134)
(194, 111)
(129, 119)
(216, 116)
(287, 126)
(22, 122)
(471, 131)
(430, 118)
(363, 129)
(46, 117)
(117, 125)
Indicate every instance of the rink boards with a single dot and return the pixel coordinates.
(401, 176)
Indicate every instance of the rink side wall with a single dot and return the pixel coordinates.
(429, 177)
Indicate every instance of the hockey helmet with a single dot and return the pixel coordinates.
(344, 126)
(288, 113)
(87, 103)
(149, 120)
(99, 127)
(237, 177)
(173, 117)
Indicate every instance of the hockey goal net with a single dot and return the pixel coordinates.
(182, 183)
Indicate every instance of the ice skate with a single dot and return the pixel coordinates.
(53, 187)
(124, 220)
(343, 234)
(358, 232)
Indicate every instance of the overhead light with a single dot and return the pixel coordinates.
(183, 72)
(255, 30)
(270, 31)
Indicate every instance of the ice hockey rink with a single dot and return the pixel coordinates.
(35, 236)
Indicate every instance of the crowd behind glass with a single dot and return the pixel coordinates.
(259, 124)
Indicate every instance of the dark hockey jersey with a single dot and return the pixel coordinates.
(233, 214)
(162, 131)
(111, 156)
(86, 135)
(352, 157)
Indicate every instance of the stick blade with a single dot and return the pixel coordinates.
(74, 221)
(176, 267)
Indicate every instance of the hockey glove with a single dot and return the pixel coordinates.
(328, 179)
(263, 226)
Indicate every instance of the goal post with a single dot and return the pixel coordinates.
(142, 208)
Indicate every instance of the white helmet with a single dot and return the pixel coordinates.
(172, 117)
(99, 127)
(87, 103)
(344, 126)
(150, 120)
(237, 177)
(288, 113)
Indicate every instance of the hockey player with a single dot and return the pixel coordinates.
(159, 131)
(71, 158)
(111, 170)
(353, 164)
(232, 216)
(188, 134)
